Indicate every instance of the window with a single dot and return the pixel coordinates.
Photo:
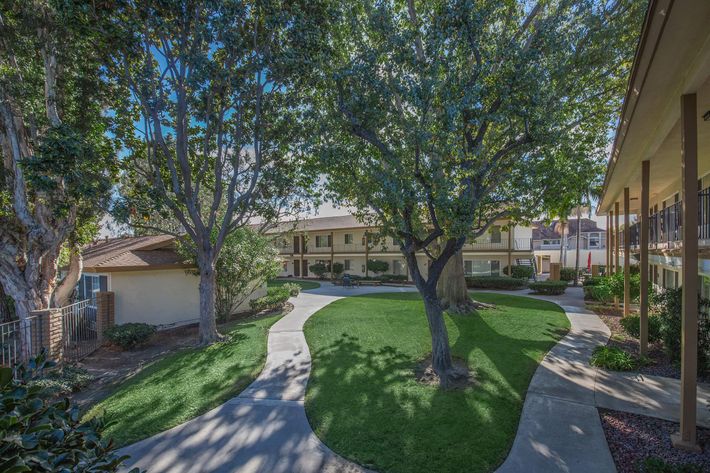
(397, 267)
(90, 284)
(346, 264)
(481, 267)
(595, 240)
(285, 265)
(322, 241)
(348, 238)
(551, 242)
(495, 234)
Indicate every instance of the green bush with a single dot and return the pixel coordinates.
(337, 269)
(567, 274)
(632, 326)
(42, 434)
(129, 336)
(393, 277)
(605, 288)
(667, 304)
(593, 281)
(275, 298)
(657, 465)
(293, 289)
(519, 271)
(377, 266)
(495, 282)
(550, 288)
(613, 358)
(319, 269)
(63, 381)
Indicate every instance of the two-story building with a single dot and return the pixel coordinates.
(556, 242)
(345, 240)
(659, 170)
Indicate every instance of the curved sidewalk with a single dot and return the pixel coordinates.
(264, 429)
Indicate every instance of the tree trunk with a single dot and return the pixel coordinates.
(64, 290)
(451, 288)
(576, 259)
(208, 288)
(440, 351)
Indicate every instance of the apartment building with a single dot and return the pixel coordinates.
(659, 170)
(556, 242)
(345, 240)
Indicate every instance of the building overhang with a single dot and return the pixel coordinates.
(672, 59)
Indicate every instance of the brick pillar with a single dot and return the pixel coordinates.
(105, 312)
(48, 333)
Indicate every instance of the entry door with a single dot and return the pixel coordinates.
(545, 264)
(296, 267)
(305, 268)
(295, 245)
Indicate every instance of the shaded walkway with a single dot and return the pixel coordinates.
(265, 428)
(560, 429)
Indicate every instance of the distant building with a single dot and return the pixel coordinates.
(549, 243)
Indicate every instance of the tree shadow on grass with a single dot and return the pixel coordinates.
(364, 403)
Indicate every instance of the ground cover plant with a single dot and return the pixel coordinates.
(550, 288)
(363, 399)
(185, 384)
(305, 285)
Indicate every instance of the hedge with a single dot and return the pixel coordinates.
(129, 336)
(520, 272)
(552, 288)
(275, 298)
(495, 282)
(567, 274)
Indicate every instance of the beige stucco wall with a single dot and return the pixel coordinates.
(160, 297)
(155, 297)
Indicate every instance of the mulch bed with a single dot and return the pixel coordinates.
(660, 363)
(632, 438)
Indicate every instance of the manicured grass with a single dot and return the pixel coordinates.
(304, 284)
(186, 384)
(365, 404)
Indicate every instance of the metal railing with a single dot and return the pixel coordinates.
(20, 340)
(665, 227)
(80, 336)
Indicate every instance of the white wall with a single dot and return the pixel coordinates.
(160, 297)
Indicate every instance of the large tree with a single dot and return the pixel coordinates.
(213, 120)
(57, 163)
(437, 118)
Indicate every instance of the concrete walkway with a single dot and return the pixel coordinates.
(265, 428)
(560, 429)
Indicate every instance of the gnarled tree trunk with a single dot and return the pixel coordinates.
(452, 290)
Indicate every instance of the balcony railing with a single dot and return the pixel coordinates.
(518, 244)
(665, 227)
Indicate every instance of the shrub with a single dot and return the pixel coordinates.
(293, 289)
(550, 288)
(377, 266)
(519, 271)
(657, 465)
(393, 277)
(605, 288)
(667, 304)
(567, 274)
(42, 434)
(129, 336)
(275, 298)
(613, 358)
(319, 269)
(632, 326)
(337, 269)
(593, 281)
(495, 282)
(63, 381)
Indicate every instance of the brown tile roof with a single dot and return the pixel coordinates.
(132, 253)
(541, 231)
(320, 224)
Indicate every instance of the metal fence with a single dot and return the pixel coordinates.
(20, 340)
(79, 331)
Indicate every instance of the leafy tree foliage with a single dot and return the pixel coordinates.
(338, 269)
(319, 269)
(438, 117)
(216, 104)
(377, 266)
(57, 163)
(247, 260)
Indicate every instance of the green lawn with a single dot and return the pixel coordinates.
(304, 284)
(364, 403)
(186, 384)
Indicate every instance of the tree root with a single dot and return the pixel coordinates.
(466, 307)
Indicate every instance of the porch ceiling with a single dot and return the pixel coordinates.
(673, 59)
